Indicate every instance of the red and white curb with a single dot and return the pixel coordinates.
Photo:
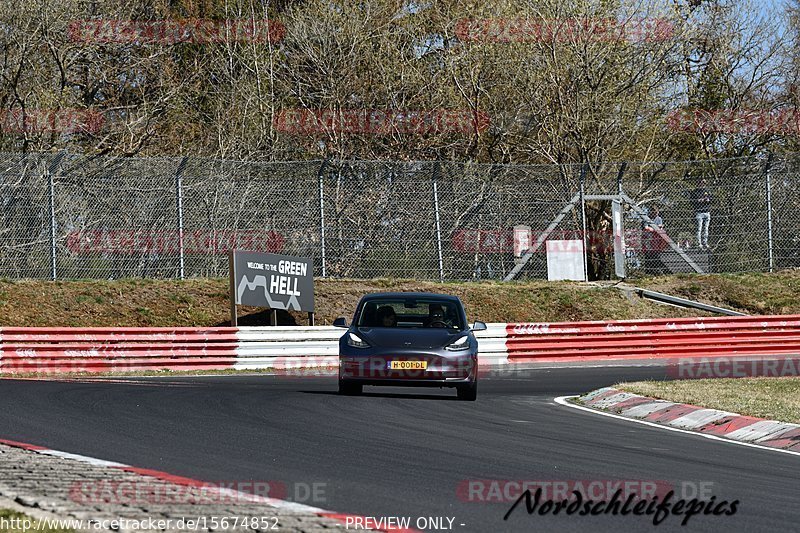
(190, 482)
(711, 423)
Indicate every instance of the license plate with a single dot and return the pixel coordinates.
(408, 365)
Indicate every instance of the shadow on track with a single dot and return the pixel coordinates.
(386, 395)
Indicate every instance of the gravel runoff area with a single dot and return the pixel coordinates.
(48, 487)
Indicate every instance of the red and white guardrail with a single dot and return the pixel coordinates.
(654, 338)
(62, 349)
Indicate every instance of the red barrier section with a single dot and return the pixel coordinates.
(60, 350)
(656, 338)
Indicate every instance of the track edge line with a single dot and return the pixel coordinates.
(564, 400)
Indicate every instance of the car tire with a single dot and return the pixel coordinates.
(350, 389)
(468, 392)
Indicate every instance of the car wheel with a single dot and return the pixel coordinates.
(350, 389)
(468, 392)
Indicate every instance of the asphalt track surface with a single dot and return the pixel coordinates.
(403, 452)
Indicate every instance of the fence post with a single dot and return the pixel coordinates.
(584, 168)
(321, 180)
(768, 180)
(51, 193)
(622, 168)
(438, 224)
(179, 201)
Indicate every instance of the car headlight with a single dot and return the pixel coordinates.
(355, 341)
(461, 343)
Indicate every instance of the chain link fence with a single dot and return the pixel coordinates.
(69, 216)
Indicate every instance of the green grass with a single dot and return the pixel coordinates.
(7, 515)
(770, 398)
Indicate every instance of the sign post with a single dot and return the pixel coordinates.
(232, 288)
(273, 281)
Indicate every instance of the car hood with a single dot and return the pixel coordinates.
(427, 338)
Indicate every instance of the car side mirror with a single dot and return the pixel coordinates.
(340, 322)
(479, 326)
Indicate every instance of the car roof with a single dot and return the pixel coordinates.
(421, 295)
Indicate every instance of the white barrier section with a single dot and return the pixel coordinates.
(287, 347)
(283, 347)
(492, 344)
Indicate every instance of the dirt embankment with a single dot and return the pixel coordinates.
(204, 302)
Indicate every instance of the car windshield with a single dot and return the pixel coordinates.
(411, 313)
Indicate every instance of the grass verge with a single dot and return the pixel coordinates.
(751, 293)
(770, 398)
(204, 302)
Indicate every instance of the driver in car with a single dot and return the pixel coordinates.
(436, 318)
(387, 317)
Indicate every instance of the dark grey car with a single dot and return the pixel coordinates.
(409, 339)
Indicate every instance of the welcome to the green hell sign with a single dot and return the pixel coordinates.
(279, 283)
(272, 280)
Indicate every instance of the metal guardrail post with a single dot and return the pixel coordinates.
(683, 302)
(179, 201)
(438, 224)
(768, 180)
(51, 193)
